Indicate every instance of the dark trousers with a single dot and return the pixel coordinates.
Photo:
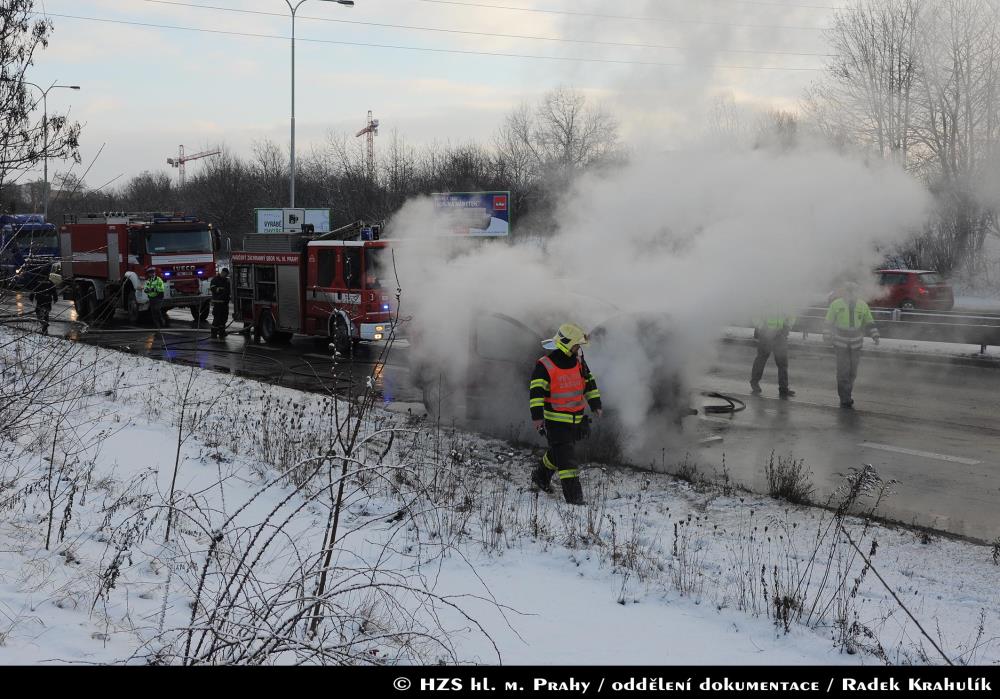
(560, 458)
(767, 345)
(220, 314)
(42, 312)
(847, 371)
(156, 311)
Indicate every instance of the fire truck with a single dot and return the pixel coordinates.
(105, 257)
(293, 283)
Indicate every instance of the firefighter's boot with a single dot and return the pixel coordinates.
(573, 491)
(541, 478)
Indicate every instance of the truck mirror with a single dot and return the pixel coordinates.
(216, 240)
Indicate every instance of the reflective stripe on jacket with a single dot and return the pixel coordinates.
(849, 328)
(565, 402)
(153, 287)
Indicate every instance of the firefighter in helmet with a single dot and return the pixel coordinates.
(561, 387)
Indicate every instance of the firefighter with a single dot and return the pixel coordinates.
(220, 289)
(44, 293)
(560, 387)
(847, 321)
(771, 333)
(154, 290)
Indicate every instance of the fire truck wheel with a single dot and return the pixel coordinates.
(269, 331)
(341, 338)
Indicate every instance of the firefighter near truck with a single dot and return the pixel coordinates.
(294, 284)
(105, 258)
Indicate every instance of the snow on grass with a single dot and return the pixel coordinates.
(440, 553)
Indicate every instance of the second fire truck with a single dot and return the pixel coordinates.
(105, 257)
(291, 283)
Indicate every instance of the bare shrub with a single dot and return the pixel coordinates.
(788, 479)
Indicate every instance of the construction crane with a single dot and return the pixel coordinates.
(179, 161)
(371, 130)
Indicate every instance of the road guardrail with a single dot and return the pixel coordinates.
(981, 329)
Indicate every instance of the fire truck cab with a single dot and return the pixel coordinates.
(287, 284)
(105, 257)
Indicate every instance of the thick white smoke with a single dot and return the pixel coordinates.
(667, 250)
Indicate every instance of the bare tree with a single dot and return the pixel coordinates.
(563, 133)
(867, 94)
(728, 124)
(918, 83)
(541, 148)
(24, 142)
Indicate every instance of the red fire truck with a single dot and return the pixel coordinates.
(290, 283)
(105, 257)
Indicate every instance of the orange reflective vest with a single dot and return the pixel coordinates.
(565, 402)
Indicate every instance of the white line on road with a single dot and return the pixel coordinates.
(917, 452)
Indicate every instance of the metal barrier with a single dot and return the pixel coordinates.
(981, 329)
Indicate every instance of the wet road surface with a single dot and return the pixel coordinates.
(931, 426)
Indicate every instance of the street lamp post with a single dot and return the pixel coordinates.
(291, 177)
(45, 135)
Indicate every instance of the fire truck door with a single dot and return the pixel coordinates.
(289, 300)
(114, 256)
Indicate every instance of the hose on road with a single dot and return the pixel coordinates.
(733, 405)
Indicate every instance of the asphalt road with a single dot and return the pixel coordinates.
(931, 426)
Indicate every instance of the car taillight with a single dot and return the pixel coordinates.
(921, 290)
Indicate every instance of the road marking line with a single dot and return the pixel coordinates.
(925, 454)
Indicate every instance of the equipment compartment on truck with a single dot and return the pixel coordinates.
(325, 288)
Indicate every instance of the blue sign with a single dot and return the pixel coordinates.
(474, 213)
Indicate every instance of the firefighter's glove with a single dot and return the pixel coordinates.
(541, 430)
(584, 427)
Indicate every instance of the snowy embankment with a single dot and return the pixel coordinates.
(438, 553)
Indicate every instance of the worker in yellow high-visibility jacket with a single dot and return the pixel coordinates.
(771, 333)
(848, 320)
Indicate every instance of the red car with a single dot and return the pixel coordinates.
(913, 288)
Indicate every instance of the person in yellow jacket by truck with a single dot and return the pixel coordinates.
(154, 288)
(848, 320)
(562, 385)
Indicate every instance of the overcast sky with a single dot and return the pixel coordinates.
(202, 79)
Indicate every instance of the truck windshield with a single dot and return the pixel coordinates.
(179, 241)
(46, 240)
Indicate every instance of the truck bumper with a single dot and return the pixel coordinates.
(375, 332)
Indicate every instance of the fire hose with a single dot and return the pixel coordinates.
(733, 405)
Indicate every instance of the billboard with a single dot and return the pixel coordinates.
(474, 213)
(290, 220)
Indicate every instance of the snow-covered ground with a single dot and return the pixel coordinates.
(441, 554)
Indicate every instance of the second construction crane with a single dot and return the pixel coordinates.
(371, 131)
(179, 161)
